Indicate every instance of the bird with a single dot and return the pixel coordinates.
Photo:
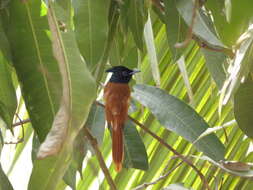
(117, 100)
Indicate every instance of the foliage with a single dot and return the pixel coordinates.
(190, 118)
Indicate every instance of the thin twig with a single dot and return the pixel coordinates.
(94, 144)
(173, 150)
(23, 132)
(204, 45)
(145, 185)
(21, 122)
(189, 33)
(161, 141)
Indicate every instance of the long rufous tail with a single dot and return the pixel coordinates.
(117, 147)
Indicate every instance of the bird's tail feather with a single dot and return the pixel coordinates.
(117, 147)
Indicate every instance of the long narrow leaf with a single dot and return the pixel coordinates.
(180, 118)
(4, 182)
(201, 27)
(91, 28)
(8, 102)
(243, 107)
(34, 63)
(78, 93)
(136, 156)
(150, 44)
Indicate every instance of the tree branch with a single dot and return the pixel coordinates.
(204, 45)
(23, 132)
(21, 122)
(202, 177)
(94, 144)
(189, 33)
(145, 185)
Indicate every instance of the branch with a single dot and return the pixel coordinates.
(145, 185)
(205, 45)
(189, 33)
(21, 122)
(173, 150)
(94, 144)
(202, 177)
(23, 132)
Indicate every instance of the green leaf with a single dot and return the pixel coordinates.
(239, 13)
(35, 147)
(8, 102)
(113, 18)
(215, 63)
(35, 65)
(115, 35)
(80, 147)
(228, 10)
(180, 118)
(70, 176)
(96, 123)
(216, 128)
(150, 44)
(4, 46)
(184, 73)
(243, 107)
(135, 151)
(239, 68)
(202, 27)
(47, 173)
(28, 130)
(1, 142)
(4, 181)
(131, 57)
(123, 50)
(134, 13)
(78, 93)
(91, 28)
(91, 171)
(176, 29)
(247, 174)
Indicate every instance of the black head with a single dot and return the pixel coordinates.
(121, 74)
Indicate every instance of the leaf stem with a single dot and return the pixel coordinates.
(204, 45)
(21, 122)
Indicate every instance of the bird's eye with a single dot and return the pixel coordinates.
(125, 73)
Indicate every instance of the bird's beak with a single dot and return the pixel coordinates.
(135, 71)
